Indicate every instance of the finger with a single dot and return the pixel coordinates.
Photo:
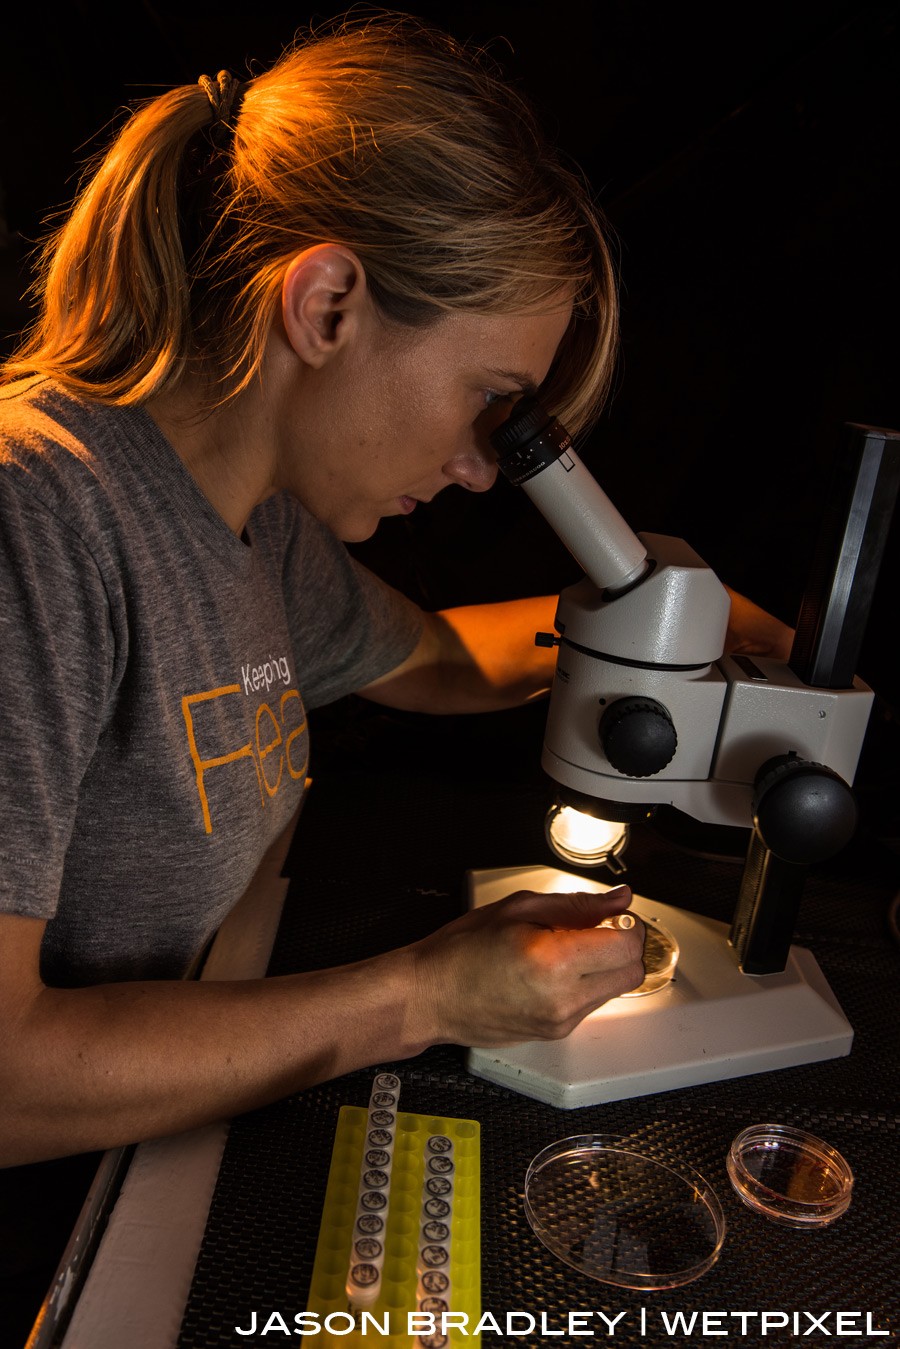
(581, 909)
(601, 988)
(594, 989)
(597, 950)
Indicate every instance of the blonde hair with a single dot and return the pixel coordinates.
(386, 136)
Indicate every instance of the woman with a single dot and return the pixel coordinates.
(278, 312)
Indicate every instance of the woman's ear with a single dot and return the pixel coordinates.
(322, 297)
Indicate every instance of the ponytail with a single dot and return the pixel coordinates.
(113, 287)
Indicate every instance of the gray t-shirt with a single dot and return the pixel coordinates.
(154, 675)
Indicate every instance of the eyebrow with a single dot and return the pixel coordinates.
(525, 382)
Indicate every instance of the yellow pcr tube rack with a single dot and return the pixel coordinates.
(390, 1320)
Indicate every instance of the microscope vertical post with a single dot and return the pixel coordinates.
(829, 633)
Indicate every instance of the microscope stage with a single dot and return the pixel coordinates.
(709, 1023)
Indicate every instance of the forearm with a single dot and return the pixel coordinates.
(475, 658)
(92, 1068)
(482, 657)
(489, 658)
(503, 665)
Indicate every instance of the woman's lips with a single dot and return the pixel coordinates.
(408, 504)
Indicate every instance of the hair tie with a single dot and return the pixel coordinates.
(224, 94)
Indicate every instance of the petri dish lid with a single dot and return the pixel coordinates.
(789, 1175)
(620, 1212)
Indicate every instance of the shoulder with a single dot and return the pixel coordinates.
(69, 458)
(48, 444)
(37, 413)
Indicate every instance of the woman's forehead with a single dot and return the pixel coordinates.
(518, 348)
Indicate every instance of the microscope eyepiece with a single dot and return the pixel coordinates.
(528, 416)
(530, 440)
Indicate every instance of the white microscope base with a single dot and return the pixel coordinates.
(711, 1022)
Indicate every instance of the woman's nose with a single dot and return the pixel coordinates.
(476, 471)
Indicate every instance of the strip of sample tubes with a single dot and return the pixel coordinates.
(373, 1199)
(435, 1231)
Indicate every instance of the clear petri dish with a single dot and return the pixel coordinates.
(789, 1175)
(622, 1213)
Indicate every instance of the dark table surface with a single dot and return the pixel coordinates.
(399, 810)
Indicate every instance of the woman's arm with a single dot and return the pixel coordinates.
(482, 657)
(475, 658)
(96, 1067)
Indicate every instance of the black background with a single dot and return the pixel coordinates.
(746, 156)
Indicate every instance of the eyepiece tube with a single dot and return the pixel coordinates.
(535, 451)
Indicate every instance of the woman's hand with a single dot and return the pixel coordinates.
(529, 967)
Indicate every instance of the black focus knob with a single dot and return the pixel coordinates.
(637, 736)
(804, 812)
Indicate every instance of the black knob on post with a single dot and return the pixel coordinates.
(804, 812)
(637, 736)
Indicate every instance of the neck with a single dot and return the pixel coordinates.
(228, 452)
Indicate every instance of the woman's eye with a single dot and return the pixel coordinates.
(491, 397)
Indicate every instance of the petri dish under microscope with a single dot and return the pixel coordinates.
(623, 1213)
(660, 959)
(660, 955)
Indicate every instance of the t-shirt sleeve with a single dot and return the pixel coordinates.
(348, 626)
(55, 669)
